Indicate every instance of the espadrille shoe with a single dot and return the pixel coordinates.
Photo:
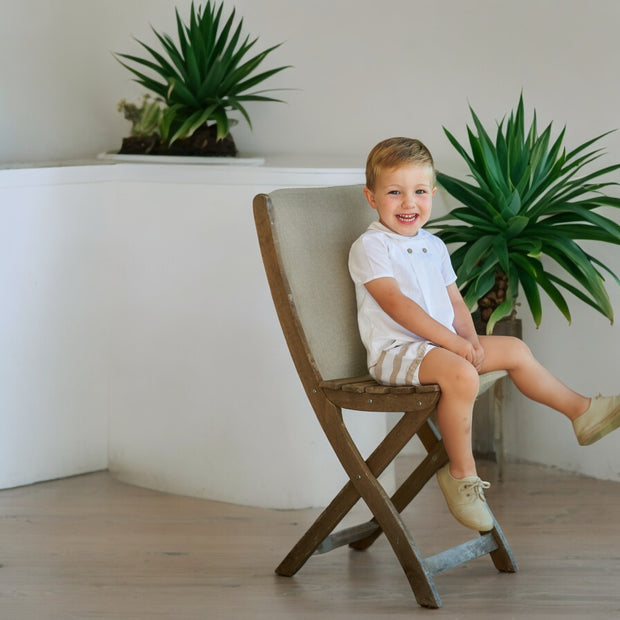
(602, 417)
(465, 499)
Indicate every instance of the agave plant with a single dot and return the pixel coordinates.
(204, 76)
(528, 203)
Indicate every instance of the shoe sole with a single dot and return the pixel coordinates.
(604, 427)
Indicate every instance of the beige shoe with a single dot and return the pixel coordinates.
(602, 417)
(465, 499)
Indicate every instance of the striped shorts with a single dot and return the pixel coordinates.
(400, 365)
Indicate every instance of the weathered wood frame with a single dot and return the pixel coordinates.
(328, 397)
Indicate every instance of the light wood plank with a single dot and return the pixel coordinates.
(93, 547)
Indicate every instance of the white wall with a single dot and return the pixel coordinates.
(363, 71)
(137, 333)
(54, 328)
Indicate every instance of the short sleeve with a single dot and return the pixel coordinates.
(447, 270)
(369, 259)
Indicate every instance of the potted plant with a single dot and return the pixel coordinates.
(198, 81)
(527, 205)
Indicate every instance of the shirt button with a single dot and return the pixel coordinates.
(409, 250)
(424, 250)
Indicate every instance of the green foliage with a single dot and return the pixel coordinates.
(204, 76)
(528, 198)
(145, 119)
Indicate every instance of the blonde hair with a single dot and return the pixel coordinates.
(394, 153)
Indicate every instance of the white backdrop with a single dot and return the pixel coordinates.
(362, 71)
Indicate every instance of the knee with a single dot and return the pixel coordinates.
(519, 351)
(464, 381)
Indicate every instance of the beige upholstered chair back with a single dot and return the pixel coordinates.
(314, 229)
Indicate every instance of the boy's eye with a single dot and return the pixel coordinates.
(420, 191)
(395, 192)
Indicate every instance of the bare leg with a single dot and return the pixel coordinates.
(530, 376)
(459, 384)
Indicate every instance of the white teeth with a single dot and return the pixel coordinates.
(408, 218)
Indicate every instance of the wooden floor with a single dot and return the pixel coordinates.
(92, 547)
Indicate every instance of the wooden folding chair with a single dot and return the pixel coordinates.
(305, 236)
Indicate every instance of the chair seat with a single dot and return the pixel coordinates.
(367, 385)
(365, 394)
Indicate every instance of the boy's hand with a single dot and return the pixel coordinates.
(473, 353)
(478, 356)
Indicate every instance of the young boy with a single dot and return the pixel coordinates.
(417, 329)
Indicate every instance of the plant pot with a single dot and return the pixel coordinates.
(508, 326)
(202, 143)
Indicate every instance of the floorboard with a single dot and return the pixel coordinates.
(93, 547)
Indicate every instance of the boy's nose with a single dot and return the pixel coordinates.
(410, 200)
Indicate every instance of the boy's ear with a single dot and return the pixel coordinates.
(370, 197)
(434, 190)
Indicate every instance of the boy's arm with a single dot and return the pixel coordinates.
(464, 324)
(411, 316)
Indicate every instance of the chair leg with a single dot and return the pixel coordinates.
(436, 458)
(388, 518)
(386, 511)
(501, 557)
(409, 489)
(382, 456)
(318, 531)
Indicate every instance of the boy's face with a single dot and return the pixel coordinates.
(403, 198)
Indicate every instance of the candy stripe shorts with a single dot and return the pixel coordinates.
(400, 365)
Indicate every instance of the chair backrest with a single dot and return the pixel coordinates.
(309, 231)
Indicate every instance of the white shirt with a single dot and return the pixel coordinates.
(420, 265)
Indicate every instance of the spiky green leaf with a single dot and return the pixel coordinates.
(535, 198)
(207, 69)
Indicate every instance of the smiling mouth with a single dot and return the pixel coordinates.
(407, 218)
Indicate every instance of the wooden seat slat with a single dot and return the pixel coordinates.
(337, 384)
(361, 385)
